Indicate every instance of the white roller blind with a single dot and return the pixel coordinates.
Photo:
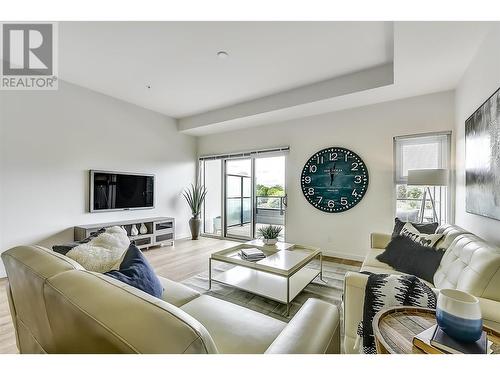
(427, 151)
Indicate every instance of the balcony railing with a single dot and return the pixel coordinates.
(268, 210)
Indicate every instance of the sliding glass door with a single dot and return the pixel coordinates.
(238, 198)
(270, 195)
(243, 194)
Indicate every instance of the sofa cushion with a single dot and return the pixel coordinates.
(64, 248)
(412, 258)
(373, 265)
(137, 272)
(175, 293)
(416, 236)
(102, 253)
(233, 328)
(427, 228)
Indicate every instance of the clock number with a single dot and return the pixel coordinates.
(357, 179)
(319, 160)
(310, 191)
(343, 201)
(354, 166)
(354, 193)
(334, 156)
(331, 204)
(307, 180)
(345, 157)
(313, 168)
(320, 199)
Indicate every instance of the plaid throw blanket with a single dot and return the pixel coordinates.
(390, 290)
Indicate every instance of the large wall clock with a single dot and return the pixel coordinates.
(334, 179)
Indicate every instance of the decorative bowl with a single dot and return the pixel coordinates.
(459, 315)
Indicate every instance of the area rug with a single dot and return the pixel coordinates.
(330, 290)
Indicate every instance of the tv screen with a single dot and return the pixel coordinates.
(120, 191)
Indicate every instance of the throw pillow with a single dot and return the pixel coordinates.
(405, 255)
(101, 253)
(137, 272)
(427, 228)
(394, 251)
(412, 233)
(64, 248)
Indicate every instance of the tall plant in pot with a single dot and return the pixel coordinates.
(195, 195)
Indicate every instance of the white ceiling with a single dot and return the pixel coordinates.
(428, 57)
(179, 61)
(275, 71)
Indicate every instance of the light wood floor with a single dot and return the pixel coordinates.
(187, 258)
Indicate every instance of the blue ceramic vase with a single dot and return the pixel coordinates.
(459, 315)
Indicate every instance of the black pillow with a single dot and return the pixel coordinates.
(405, 255)
(63, 249)
(137, 272)
(427, 228)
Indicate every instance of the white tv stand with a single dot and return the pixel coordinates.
(161, 231)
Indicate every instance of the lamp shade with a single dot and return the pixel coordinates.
(428, 177)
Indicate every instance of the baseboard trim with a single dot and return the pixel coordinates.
(336, 254)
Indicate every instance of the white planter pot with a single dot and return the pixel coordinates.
(270, 241)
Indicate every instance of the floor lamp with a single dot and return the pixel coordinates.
(427, 178)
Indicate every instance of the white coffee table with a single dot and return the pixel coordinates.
(281, 276)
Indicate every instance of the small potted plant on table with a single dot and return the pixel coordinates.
(270, 234)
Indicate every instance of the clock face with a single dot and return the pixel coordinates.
(334, 179)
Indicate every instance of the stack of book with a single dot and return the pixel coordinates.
(252, 254)
(435, 341)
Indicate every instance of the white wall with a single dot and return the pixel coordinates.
(48, 142)
(368, 131)
(481, 79)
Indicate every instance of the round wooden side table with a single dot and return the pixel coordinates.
(395, 327)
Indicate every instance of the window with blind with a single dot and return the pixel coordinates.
(427, 151)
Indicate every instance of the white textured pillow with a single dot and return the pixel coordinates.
(423, 239)
(103, 252)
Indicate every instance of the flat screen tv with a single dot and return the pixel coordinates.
(113, 191)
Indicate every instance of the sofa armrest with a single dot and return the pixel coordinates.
(379, 240)
(490, 310)
(354, 298)
(315, 329)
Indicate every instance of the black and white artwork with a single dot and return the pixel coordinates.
(482, 159)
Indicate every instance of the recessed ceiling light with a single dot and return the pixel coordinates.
(148, 86)
(222, 55)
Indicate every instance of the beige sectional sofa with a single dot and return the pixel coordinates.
(58, 307)
(469, 264)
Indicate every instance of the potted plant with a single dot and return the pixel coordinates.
(195, 195)
(270, 234)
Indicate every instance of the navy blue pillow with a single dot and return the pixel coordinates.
(137, 272)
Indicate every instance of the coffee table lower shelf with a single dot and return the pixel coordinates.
(275, 287)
